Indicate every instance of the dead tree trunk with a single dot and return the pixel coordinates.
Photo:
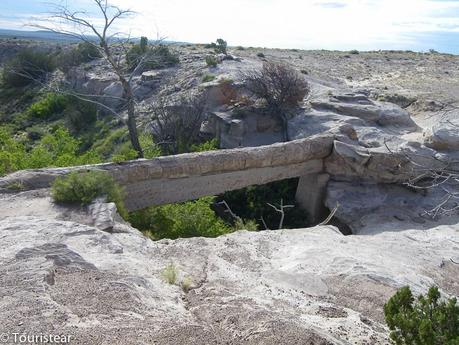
(132, 123)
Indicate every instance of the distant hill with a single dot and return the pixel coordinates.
(36, 35)
(42, 35)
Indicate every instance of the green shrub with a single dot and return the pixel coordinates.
(170, 274)
(143, 43)
(36, 132)
(88, 52)
(189, 219)
(150, 149)
(124, 153)
(57, 149)
(249, 225)
(80, 115)
(107, 145)
(51, 105)
(426, 321)
(221, 46)
(186, 284)
(12, 153)
(211, 61)
(117, 147)
(156, 57)
(210, 145)
(134, 56)
(83, 187)
(26, 67)
(208, 77)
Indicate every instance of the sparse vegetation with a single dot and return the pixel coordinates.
(55, 149)
(50, 105)
(208, 77)
(186, 284)
(424, 321)
(211, 61)
(280, 86)
(170, 274)
(249, 225)
(16, 186)
(221, 46)
(189, 219)
(209, 145)
(156, 57)
(82, 53)
(84, 187)
(143, 43)
(175, 129)
(27, 67)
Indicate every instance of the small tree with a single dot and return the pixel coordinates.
(100, 34)
(427, 321)
(175, 127)
(221, 46)
(143, 44)
(280, 86)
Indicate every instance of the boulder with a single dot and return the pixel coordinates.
(103, 214)
(443, 136)
(350, 161)
(360, 106)
(112, 95)
(141, 91)
(150, 76)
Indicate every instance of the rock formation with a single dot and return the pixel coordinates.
(60, 273)
(83, 272)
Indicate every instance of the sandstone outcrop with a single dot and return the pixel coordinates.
(305, 286)
(443, 135)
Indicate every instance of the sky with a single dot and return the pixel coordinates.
(417, 25)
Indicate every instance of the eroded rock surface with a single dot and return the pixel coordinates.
(307, 286)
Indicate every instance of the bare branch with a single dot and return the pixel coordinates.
(84, 24)
(331, 215)
(281, 210)
(433, 173)
(228, 210)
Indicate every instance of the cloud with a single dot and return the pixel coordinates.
(331, 4)
(319, 24)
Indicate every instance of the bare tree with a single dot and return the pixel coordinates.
(281, 210)
(176, 125)
(101, 34)
(280, 86)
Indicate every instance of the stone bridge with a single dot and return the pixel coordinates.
(189, 176)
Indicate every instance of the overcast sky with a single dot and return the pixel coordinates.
(306, 24)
